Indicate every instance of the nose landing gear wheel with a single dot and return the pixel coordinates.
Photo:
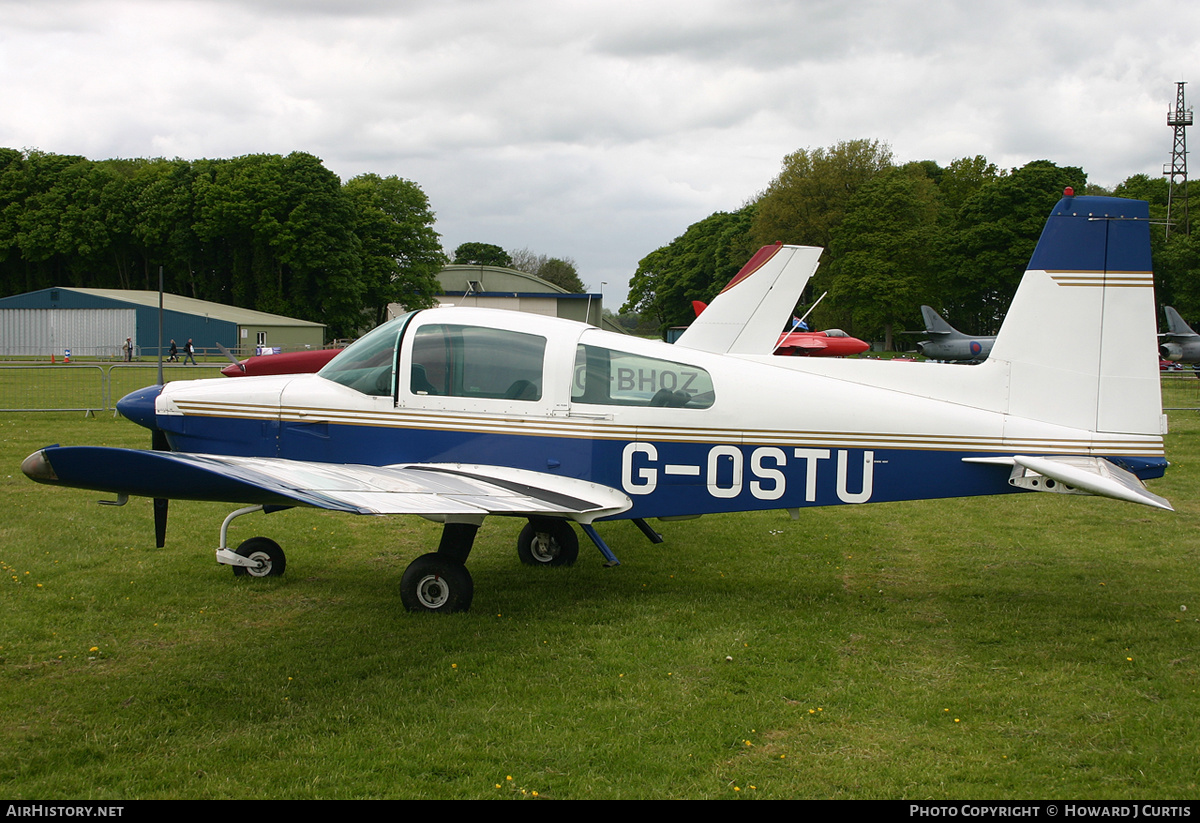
(267, 555)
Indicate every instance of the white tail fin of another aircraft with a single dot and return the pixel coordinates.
(756, 305)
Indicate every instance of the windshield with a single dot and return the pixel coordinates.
(367, 364)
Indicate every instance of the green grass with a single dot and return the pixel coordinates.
(1027, 646)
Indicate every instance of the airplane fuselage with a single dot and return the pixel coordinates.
(765, 433)
(964, 348)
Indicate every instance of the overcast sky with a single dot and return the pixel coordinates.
(595, 130)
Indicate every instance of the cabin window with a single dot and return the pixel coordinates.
(615, 378)
(366, 365)
(474, 361)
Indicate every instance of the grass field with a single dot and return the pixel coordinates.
(1028, 646)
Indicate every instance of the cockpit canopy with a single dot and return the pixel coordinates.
(472, 360)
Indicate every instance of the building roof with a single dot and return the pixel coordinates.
(192, 305)
(455, 279)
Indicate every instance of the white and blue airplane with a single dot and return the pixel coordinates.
(460, 413)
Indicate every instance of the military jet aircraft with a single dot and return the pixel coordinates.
(456, 414)
(1180, 344)
(949, 343)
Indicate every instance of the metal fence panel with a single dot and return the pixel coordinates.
(84, 387)
(53, 388)
(1181, 391)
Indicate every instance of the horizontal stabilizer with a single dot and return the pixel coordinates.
(1075, 475)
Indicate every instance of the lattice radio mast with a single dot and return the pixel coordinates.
(1179, 119)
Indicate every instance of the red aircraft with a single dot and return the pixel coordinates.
(829, 343)
(295, 362)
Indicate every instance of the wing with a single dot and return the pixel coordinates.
(430, 489)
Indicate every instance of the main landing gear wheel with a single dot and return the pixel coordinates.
(433, 583)
(548, 543)
(266, 553)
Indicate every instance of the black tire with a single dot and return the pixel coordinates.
(268, 554)
(433, 583)
(548, 543)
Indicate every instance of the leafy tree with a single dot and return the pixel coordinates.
(992, 238)
(401, 253)
(562, 273)
(482, 254)
(268, 232)
(1143, 187)
(805, 203)
(1177, 275)
(1176, 258)
(962, 178)
(694, 266)
(885, 251)
(163, 228)
(527, 260)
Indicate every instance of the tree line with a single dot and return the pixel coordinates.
(896, 236)
(273, 233)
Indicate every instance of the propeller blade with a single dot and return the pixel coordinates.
(232, 359)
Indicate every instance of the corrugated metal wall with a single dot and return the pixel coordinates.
(86, 332)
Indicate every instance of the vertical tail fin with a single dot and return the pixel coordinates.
(936, 324)
(1176, 324)
(753, 308)
(1080, 337)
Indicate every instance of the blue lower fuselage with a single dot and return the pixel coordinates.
(663, 478)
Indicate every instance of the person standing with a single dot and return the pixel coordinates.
(190, 353)
(128, 349)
